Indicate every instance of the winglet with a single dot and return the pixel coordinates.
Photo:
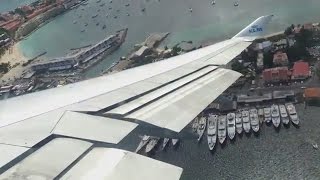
(255, 29)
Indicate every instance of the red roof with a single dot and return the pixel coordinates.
(276, 74)
(300, 70)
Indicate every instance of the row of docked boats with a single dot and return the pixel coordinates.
(221, 126)
(150, 142)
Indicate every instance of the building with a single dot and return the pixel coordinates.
(281, 44)
(141, 52)
(274, 75)
(68, 3)
(280, 59)
(260, 60)
(54, 65)
(245, 99)
(300, 71)
(265, 46)
(312, 96)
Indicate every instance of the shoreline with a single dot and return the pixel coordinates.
(15, 57)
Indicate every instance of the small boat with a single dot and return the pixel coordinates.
(292, 113)
(236, 4)
(145, 139)
(94, 16)
(174, 141)
(164, 143)
(246, 121)
(222, 129)
(212, 131)
(115, 17)
(128, 14)
(151, 144)
(74, 22)
(283, 114)
(213, 2)
(85, 24)
(97, 24)
(101, 5)
(127, 5)
(104, 26)
(110, 8)
(201, 127)
(83, 30)
(195, 125)
(267, 114)
(98, 1)
(254, 120)
(110, 1)
(260, 114)
(315, 146)
(190, 10)
(231, 117)
(239, 122)
(143, 9)
(275, 115)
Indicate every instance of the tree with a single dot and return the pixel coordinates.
(20, 12)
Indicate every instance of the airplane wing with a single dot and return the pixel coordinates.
(167, 94)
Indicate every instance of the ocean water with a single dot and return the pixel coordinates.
(9, 5)
(205, 23)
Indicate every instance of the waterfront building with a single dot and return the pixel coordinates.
(280, 59)
(300, 71)
(55, 64)
(274, 75)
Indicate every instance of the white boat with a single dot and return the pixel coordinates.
(212, 131)
(201, 127)
(190, 9)
(152, 143)
(292, 113)
(195, 124)
(222, 129)
(275, 115)
(239, 122)
(164, 143)
(145, 139)
(213, 2)
(267, 114)
(283, 114)
(231, 118)
(260, 114)
(174, 141)
(246, 121)
(254, 120)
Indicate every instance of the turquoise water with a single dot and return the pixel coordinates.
(9, 5)
(205, 23)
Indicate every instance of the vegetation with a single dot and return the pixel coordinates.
(4, 67)
(20, 12)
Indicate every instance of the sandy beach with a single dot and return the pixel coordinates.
(14, 56)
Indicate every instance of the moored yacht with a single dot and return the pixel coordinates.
(283, 114)
(164, 143)
(231, 119)
(246, 121)
(239, 122)
(254, 120)
(292, 113)
(145, 139)
(222, 129)
(201, 127)
(152, 143)
(267, 114)
(275, 115)
(212, 131)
